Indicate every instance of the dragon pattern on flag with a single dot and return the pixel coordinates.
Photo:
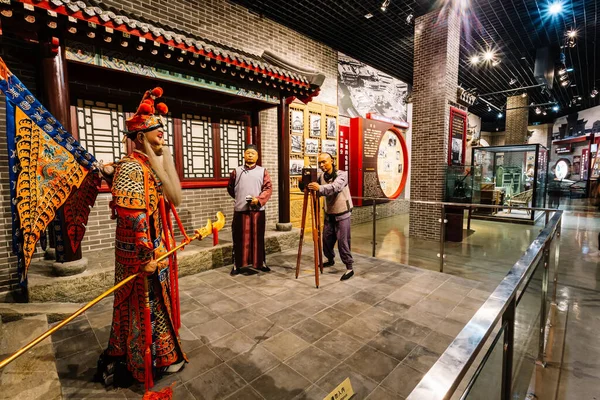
(47, 169)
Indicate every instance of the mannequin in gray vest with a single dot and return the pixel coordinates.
(333, 185)
(250, 186)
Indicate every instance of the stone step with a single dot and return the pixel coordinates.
(32, 376)
(53, 311)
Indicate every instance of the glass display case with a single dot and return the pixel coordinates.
(463, 184)
(514, 176)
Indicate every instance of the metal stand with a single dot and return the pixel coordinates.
(316, 233)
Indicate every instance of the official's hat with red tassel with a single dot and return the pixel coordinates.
(148, 115)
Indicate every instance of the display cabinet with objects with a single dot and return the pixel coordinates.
(463, 184)
(513, 176)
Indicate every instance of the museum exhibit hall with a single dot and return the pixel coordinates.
(295, 200)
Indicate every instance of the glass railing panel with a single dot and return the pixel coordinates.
(486, 382)
(527, 332)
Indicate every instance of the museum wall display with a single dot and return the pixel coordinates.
(313, 129)
(379, 159)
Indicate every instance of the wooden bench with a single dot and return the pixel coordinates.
(521, 199)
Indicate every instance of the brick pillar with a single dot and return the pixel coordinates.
(517, 118)
(437, 42)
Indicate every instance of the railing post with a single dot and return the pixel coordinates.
(547, 216)
(508, 320)
(556, 259)
(546, 260)
(374, 242)
(442, 236)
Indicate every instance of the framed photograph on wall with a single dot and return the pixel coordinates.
(296, 144)
(329, 146)
(297, 121)
(576, 165)
(315, 125)
(457, 136)
(296, 166)
(331, 127)
(311, 147)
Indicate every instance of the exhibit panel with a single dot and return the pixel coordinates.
(378, 159)
(313, 129)
(513, 176)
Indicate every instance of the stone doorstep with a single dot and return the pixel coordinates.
(96, 279)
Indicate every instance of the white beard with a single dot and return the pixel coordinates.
(164, 167)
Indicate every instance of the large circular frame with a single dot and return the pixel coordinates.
(401, 143)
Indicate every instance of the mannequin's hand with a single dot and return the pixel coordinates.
(150, 268)
(314, 186)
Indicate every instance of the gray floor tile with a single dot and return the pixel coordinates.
(396, 309)
(421, 359)
(212, 330)
(312, 393)
(392, 345)
(381, 394)
(217, 383)
(232, 345)
(332, 317)
(253, 363)
(310, 330)
(312, 363)
(245, 393)
(351, 306)
(197, 317)
(201, 359)
(261, 330)
(361, 385)
(359, 329)
(338, 344)
(310, 306)
(225, 307)
(409, 330)
(286, 317)
(402, 380)
(372, 363)
(284, 345)
(280, 383)
(241, 317)
(83, 342)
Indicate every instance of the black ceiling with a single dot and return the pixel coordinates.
(514, 28)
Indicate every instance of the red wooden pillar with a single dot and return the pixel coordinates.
(56, 99)
(283, 178)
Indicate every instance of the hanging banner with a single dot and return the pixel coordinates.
(47, 165)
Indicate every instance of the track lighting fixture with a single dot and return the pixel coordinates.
(385, 5)
(512, 81)
(538, 110)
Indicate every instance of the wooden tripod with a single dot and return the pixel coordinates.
(316, 232)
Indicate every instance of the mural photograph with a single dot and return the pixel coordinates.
(577, 124)
(362, 89)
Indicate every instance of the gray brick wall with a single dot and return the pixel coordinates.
(216, 20)
(437, 41)
(517, 119)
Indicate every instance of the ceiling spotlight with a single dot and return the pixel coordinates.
(572, 33)
(500, 115)
(544, 113)
(594, 93)
(524, 94)
(474, 60)
(555, 108)
(368, 16)
(512, 81)
(538, 110)
(496, 62)
(555, 8)
(569, 69)
(565, 83)
(563, 77)
(578, 97)
(409, 18)
(488, 55)
(489, 108)
(562, 71)
(385, 5)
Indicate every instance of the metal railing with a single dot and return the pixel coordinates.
(498, 311)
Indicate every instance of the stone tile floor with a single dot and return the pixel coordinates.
(270, 336)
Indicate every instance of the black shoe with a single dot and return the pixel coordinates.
(234, 271)
(329, 263)
(264, 268)
(349, 274)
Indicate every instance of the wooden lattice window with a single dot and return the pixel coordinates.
(100, 129)
(197, 147)
(232, 141)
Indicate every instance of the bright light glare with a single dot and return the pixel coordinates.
(555, 108)
(474, 59)
(488, 55)
(555, 8)
(572, 34)
(499, 115)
